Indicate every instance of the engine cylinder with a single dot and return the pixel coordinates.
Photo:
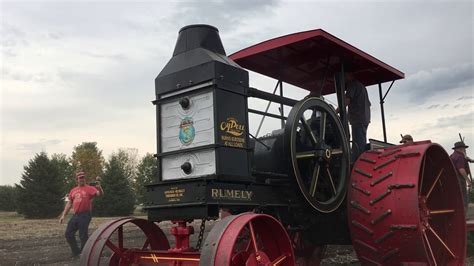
(269, 157)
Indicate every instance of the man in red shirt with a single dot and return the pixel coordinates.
(80, 199)
(462, 168)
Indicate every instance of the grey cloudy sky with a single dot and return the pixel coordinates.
(84, 71)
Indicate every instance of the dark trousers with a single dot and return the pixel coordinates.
(359, 140)
(78, 222)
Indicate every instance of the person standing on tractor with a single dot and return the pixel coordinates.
(406, 139)
(458, 157)
(358, 113)
(80, 199)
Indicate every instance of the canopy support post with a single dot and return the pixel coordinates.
(340, 83)
(382, 100)
(282, 112)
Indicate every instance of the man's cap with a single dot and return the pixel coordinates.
(460, 144)
(80, 175)
(405, 138)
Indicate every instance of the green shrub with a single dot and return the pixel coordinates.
(470, 244)
(8, 198)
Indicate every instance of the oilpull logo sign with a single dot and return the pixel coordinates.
(232, 127)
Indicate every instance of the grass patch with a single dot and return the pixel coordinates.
(10, 216)
(15, 217)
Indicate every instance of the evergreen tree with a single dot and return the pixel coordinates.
(118, 198)
(40, 191)
(147, 173)
(65, 171)
(128, 160)
(8, 198)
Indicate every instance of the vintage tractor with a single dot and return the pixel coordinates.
(282, 197)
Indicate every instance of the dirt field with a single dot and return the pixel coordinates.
(42, 242)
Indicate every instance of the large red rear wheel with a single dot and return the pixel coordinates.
(114, 242)
(405, 206)
(247, 239)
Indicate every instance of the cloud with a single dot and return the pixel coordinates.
(21, 75)
(456, 120)
(11, 38)
(423, 84)
(228, 15)
(240, 23)
(465, 98)
(54, 35)
(39, 145)
(116, 57)
(438, 106)
(85, 70)
(433, 106)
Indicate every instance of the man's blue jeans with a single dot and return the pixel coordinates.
(359, 139)
(78, 222)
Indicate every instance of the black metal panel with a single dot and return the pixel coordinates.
(184, 213)
(196, 194)
(199, 191)
(190, 74)
(233, 164)
(232, 135)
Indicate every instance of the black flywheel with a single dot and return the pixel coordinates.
(320, 154)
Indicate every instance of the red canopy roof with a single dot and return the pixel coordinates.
(303, 59)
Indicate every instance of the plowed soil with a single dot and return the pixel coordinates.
(42, 242)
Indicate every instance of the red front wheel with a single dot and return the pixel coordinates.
(113, 242)
(248, 239)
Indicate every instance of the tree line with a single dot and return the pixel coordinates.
(47, 179)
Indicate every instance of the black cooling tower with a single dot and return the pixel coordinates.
(201, 108)
(199, 56)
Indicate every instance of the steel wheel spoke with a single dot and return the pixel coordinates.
(145, 245)
(434, 184)
(336, 151)
(249, 246)
(252, 237)
(114, 248)
(442, 242)
(309, 131)
(322, 126)
(422, 172)
(278, 260)
(120, 237)
(441, 211)
(314, 180)
(305, 155)
(332, 181)
(429, 248)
